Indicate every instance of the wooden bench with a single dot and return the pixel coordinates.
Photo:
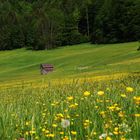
(46, 68)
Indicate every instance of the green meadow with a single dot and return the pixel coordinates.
(84, 60)
(92, 94)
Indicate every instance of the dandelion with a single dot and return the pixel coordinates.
(73, 105)
(86, 123)
(137, 100)
(65, 110)
(50, 135)
(27, 123)
(86, 93)
(32, 132)
(52, 104)
(61, 133)
(77, 115)
(68, 116)
(137, 115)
(108, 138)
(100, 93)
(73, 132)
(96, 107)
(60, 115)
(47, 131)
(116, 129)
(102, 113)
(26, 133)
(121, 114)
(129, 89)
(65, 138)
(123, 95)
(43, 129)
(107, 126)
(102, 136)
(65, 123)
(70, 98)
(94, 133)
(111, 108)
(54, 125)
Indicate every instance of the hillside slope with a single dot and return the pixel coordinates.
(82, 60)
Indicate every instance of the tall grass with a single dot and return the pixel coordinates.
(95, 110)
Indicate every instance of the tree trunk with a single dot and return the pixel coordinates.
(87, 18)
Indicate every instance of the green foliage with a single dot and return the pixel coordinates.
(117, 21)
(40, 24)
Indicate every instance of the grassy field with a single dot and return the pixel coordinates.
(88, 110)
(83, 60)
(93, 93)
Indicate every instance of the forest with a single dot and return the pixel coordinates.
(48, 24)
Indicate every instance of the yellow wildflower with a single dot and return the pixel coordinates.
(107, 101)
(61, 133)
(86, 93)
(107, 126)
(59, 116)
(116, 129)
(102, 113)
(96, 107)
(65, 110)
(65, 138)
(137, 115)
(87, 121)
(73, 105)
(43, 129)
(117, 108)
(73, 132)
(77, 115)
(26, 133)
(121, 114)
(123, 138)
(32, 132)
(111, 108)
(50, 135)
(70, 98)
(129, 89)
(108, 138)
(47, 131)
(116, 132)
(137, 100)
(123, 95)
(54, 125)
(27, 123)
(100, 93)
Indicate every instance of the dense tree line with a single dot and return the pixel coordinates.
(47, 24)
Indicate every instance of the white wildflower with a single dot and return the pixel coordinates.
(65, 123)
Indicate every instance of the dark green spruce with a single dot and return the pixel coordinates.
(47, 24)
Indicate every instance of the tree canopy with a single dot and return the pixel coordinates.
(47, 24)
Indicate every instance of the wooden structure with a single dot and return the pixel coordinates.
(46, 68)
(138, 49)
